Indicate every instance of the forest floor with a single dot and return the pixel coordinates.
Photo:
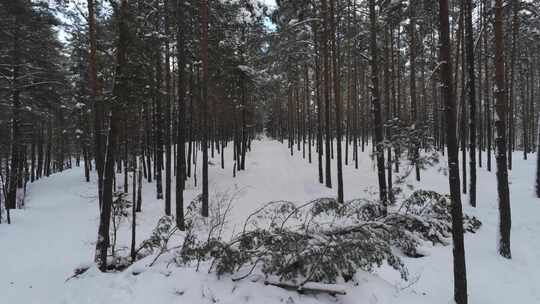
(56, 232)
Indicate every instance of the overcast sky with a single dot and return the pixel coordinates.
(270, 3)
(82, 5)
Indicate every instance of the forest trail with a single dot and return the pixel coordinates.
(49, 238)
(56, 232)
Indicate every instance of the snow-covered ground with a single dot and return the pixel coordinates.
(56, 232)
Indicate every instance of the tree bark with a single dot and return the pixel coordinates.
(471, 94)
(500, 140)
(14, 172)
(326, 82)
(538, 160)
(204, 103)
(460, 274)
(168, 151)
(318, 77)
(180, 140)
(94, 97)
(337, 99)
(119, 91)
(412, 83)
(376, 103)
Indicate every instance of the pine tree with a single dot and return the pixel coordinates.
(471, 94)
(337, 98)
(99, 150)
(326, 89)
(460, 274)
(204, 105)
(500, 140)
(181, 105)
(376, 102)
(120, 93)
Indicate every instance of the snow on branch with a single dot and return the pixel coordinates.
(318, 242)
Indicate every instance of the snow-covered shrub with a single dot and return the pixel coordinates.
(120, 211)
(201, 234)
(159, 239)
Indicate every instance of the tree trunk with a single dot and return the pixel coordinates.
(168, 159)
(337, 98)
(511, 126)
(326, 82)
(414, 101)
(538, 161)
(119, 91)
(14, 172)
(488, 101)
(134, 209)
(180, 140)
(460, 274)
(204, 104)
(376, 103)
(500, 140)
(387, 91)
(98, 104)
(158, 127)
(318, 77)
(471, 94)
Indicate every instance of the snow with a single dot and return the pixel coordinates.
(48, 240)
(56, 234)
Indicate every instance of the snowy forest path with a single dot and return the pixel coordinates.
(48, 239)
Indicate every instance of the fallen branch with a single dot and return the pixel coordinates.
(78, 271)
(313, 287)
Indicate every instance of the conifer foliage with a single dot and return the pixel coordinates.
(323, 240)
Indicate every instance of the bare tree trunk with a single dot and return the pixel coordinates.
(337, 99)
(139, 186)
(14, 172)
(318, 77)
(500, 125)
(387, 101)
(204, 104)
(41, 141)
(158, 126)
(119, 91)
(326, 82)
(488, 101)
(460, 274)
(98, 104)
(168, 150)
(414, 103)
(460, 73)
(134, 208)
(33, 157)
(191, 117)
(511, 125)
(308, 110)
(181, 157)
(376, 103)
(471, 93)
